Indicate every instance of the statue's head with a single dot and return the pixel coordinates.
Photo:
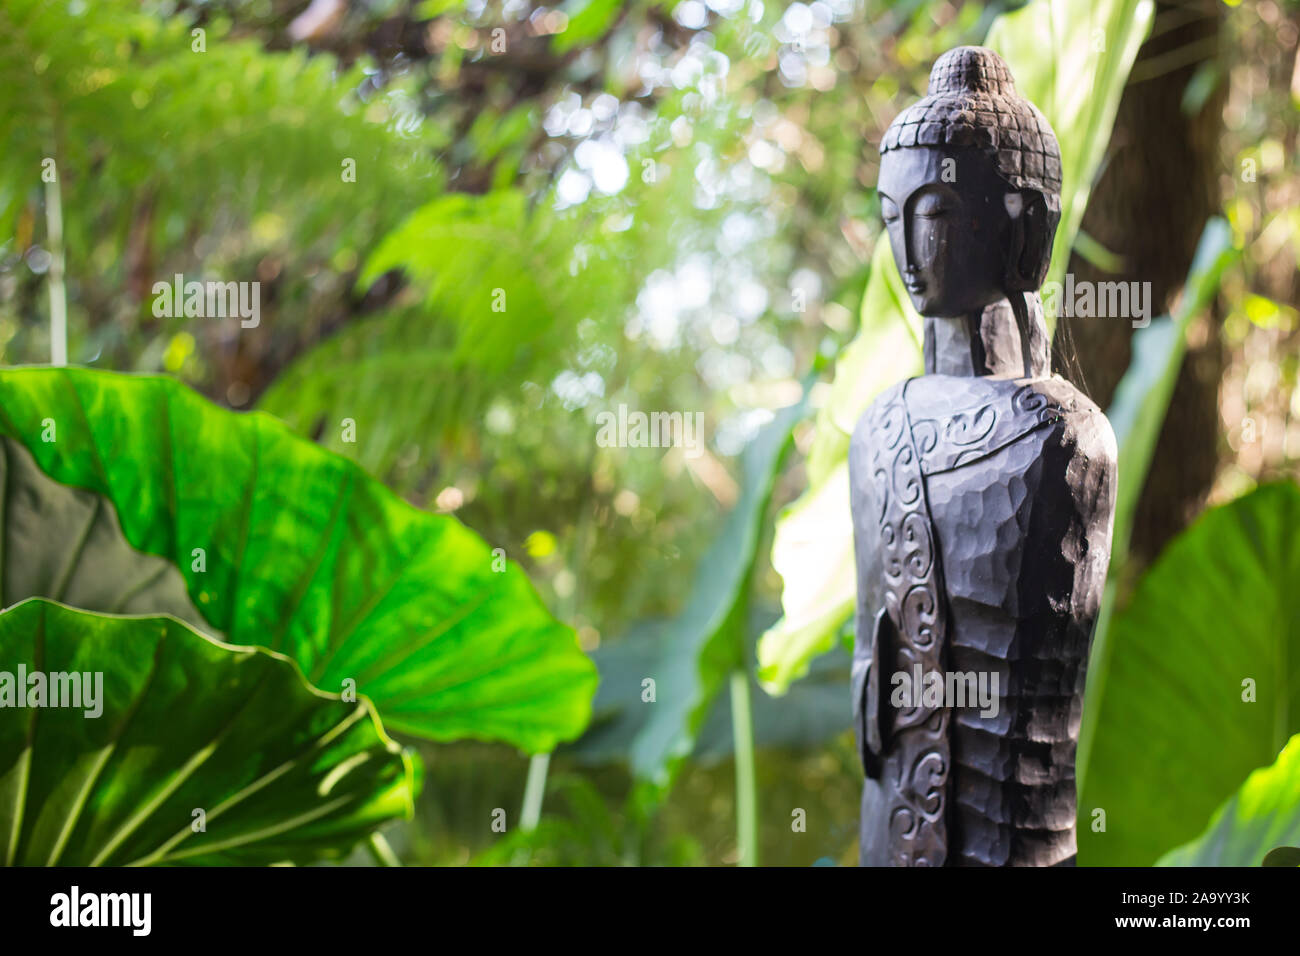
(970, 184)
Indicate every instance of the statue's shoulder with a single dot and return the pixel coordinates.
(930, 398)
(1084, 424)
(956, 419)
(883, 424)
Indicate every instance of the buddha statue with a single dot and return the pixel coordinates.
(982, 495)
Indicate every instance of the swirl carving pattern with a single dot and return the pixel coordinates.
(917, 762)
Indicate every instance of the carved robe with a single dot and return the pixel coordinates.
(983, 552)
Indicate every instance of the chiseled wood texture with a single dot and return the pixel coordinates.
(982, 496)
(1017, 479)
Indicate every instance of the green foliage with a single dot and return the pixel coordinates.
(506, 295)
(502, 292)
(688, 658)
(1142, 396)
(107, 88)
(1136, 413)
(1248, 828)
(177, 153)
(501, 406)
(1076, 78)
(284, 545)
(65, 543)
(1075, 75)
(583, 833)
(226, 163)
(436, 8)
(588, 19)
(707, 642)
(280, 771)
(1198, 692)
(810, 714)
(812, 549)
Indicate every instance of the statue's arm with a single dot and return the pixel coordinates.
(873, 628)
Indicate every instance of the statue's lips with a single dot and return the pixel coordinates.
(915, 286)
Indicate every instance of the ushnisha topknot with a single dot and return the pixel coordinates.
(972, 101)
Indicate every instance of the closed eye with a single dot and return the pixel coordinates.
(929, 208)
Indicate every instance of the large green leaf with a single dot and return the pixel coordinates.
(279, 770)
(1071, 58)
(1259, 818)
(1215, 621)
(285, 545)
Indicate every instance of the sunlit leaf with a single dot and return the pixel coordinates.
(284, 545)
(1198, 691)
(1249, 828)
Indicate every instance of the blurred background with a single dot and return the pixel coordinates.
(678, 201)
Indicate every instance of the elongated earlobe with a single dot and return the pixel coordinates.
(1029, 240)
(1013, 279)
(1031, 228)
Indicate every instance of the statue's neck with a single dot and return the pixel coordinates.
(991, 342)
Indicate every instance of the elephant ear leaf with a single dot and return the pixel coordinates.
(1198, 693)
(96, 769)
(1248, 828)
(276, 543)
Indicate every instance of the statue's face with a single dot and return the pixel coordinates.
(946, 215)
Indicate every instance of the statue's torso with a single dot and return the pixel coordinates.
(982, 524)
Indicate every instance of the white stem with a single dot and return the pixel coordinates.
(58, 290)
(534, 791)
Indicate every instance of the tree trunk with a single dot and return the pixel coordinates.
(1157, 189)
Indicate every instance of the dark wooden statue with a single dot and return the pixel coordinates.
(982, 495)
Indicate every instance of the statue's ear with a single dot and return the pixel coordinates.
(1029, 239)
